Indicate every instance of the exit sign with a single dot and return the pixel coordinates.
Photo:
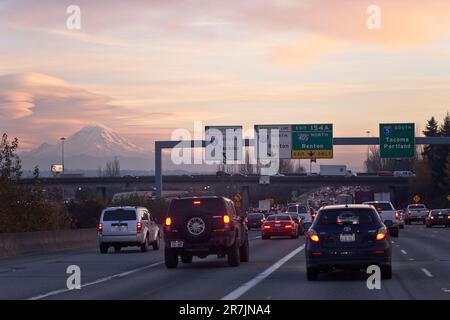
(397, 140)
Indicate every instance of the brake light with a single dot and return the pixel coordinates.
(100, 228)
(168, 221)
(288, 226)
(226, 219)
(312, 235)
(139, 227)
(266, 226)
(448, 217)
(382, 234)
(197, 202)
(432, 218)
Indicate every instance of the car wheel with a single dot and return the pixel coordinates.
(311, 274)
(402, 226)
(186, 259)
(144, 246)
(386, 272)
(423, 221)
(265, 237)
(248, 228)
(394, 233)
(104, 248)
(117, 248)
(428, 225)
(245, 251)
(171, 258)
(156, 244)
(234, 258)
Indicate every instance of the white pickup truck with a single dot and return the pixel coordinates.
(416, 212)
(389, 215)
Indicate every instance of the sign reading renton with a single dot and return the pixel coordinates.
(312, 141)
(397, 140)
(224, 144)
(264, 137)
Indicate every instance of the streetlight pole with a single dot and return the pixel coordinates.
(62, 153)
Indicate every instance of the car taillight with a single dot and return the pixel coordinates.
(448, 217)
(382, 234)
(312, 235)
(266, 226)
(289, 226)
(139, 227)
(168, 221)
(432, 218)
(100, 228)
(226, 219)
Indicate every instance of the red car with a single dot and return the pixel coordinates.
(280, 225)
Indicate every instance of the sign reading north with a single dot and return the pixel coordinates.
(312, 141)
(397, 140)
(265, 146)
(224, 143)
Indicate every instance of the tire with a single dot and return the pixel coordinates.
(244, 251)
(104, 248)
(117, 248)
(394, 233)
(186, 259)
(386, 272)
(249, 228)
(428, 226)
(204, 235)
(311, 274)
(156, 243)
(402, 226)
(234, 258)
(423, 222)
(265, 237)
(144, 246)
(171, 258)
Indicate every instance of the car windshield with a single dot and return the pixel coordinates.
(347, 216)
(197, 205)
(279, 218)
(292, 209)
(119, 215)
(299, 209)
(382, 206)
(255, 216)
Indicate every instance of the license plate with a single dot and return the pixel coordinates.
(441, 217)
(176, 244)
(120, 228)
(277, 225)
(348, 237)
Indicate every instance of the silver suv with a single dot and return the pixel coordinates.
(127, 226)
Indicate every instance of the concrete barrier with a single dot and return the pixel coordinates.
(13, 244)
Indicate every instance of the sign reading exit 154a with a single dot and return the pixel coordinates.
(397, 140)
(312, 141)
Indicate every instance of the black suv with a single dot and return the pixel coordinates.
(203, 226)
(347, 236)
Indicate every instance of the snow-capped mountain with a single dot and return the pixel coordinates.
(88, 148)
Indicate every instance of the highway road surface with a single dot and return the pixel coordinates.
(421, 265)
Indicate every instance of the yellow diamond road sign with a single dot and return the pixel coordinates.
(416, 198)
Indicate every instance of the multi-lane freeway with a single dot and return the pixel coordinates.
(421, 264)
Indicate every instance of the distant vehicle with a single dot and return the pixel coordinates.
(347, 237)
(255, 220)
(416, 213)
(127, 226)
(385, 174)
(280, 225)
(201, 226)
(438, 217)
(312, 174)
(382, 196)
(223, 174)
(333, 170)
(403, 174)
(344, 198)
(299, 221)
(388, 215)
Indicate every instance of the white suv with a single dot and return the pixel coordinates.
(127, 226)
(390, 217)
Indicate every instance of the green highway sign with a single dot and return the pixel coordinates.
(312, 141)
(397, 140)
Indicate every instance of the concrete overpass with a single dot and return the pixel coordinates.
(223, 185)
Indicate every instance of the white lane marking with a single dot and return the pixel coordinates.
(446, 290)
(119, 275)
(412, 259)
(427, 273)
(397, 245)
(255, 238)
(263, 275)
(404, 252)
(392, 241)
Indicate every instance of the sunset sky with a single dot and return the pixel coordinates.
(144, 68)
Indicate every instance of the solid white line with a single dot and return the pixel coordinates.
(263, 275)
(119, 275)
(427, 273)
(404, 252)
(255, 238)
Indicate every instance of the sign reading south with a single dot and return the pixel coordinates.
(312, 141)
(397, 140)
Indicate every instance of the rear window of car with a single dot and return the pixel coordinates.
(279, 218)
(299, 209)
(347, 216)
(209, 206)
(417, 207)
(383, 206)
(255, 216)
(119, 215)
